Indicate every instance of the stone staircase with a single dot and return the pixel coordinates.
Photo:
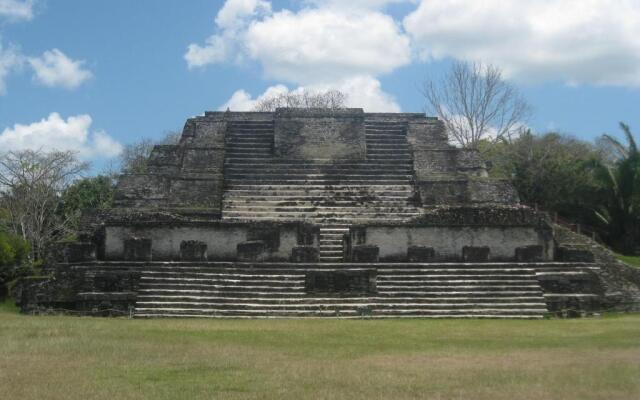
(332, 242)
(447, 290)
(259, 186)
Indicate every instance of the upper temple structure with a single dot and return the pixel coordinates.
(322, 212)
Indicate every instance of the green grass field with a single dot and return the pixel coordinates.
(90, 358)
(631, 260)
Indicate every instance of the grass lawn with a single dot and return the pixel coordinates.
(91, 358)
(631, 260)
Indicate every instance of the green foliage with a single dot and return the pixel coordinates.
(13, 249)
(634, 261)
(619, 210)
(549, 171)
(13, 260)
(94, 192)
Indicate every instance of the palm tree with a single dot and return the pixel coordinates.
(620, 181)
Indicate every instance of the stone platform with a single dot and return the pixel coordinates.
(321, 213)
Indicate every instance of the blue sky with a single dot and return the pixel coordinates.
(115, 71)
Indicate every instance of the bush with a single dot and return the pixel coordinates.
(13, 260)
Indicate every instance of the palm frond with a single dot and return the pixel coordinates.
(623, 152)
(633, 149)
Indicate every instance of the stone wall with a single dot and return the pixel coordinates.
(278, 240)
(307, 134)
(448, 242)
(85, 289)
(188, 175)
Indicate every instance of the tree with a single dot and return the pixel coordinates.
(333, 99)
(549, 171)
(135, 156)
(31, 183)
(476, 103)
(93, 192)
(620, 182)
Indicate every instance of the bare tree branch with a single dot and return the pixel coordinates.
(31, 183)
(476, 103)
(333, 99)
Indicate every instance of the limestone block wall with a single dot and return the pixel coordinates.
(448, 242)
(221, 239)
(320, 134)
(188, 175)
(449, 175)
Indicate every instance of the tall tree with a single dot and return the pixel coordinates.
(620, 181)
(94, 192)
(549, 171)
(475, 103)
(31, 183)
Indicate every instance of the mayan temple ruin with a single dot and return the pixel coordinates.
(320, 212)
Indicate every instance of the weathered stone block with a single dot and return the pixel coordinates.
(344, 283)
(570, 254)
(436, 192)
(532, 253)
(139, 190)
(470, 162)
(475, 254)
(165, 159)
(203, 191)
(193, 250)
(267, 233)
(365, 253)
(79, 252)
(137, 249)
(303, 254)
(252, 251)
(492, 191)
(428, 161)
(320, 134)
(420, 254)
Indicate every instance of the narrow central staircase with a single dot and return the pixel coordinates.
(259, 186)
(451, 290)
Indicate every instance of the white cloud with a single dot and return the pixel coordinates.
(10, 60)
(575, 41)
(232, 20)
(362, 91)
(242, 101)
(318, 44)
(56, 133)
(323, 45)
(235, 13)
(327, 45)
(16, 10)
(54, 68)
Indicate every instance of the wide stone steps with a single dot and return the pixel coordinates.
(260, 187)
(267, 290)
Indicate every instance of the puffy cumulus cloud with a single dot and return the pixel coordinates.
(361, 91)
(322, 45)
(241, 100)
(16, 9)
(234, 13)
(231, 21)
(10, 60)
(55, 69)
(323, 42)
(576, 41)
(56, 133)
